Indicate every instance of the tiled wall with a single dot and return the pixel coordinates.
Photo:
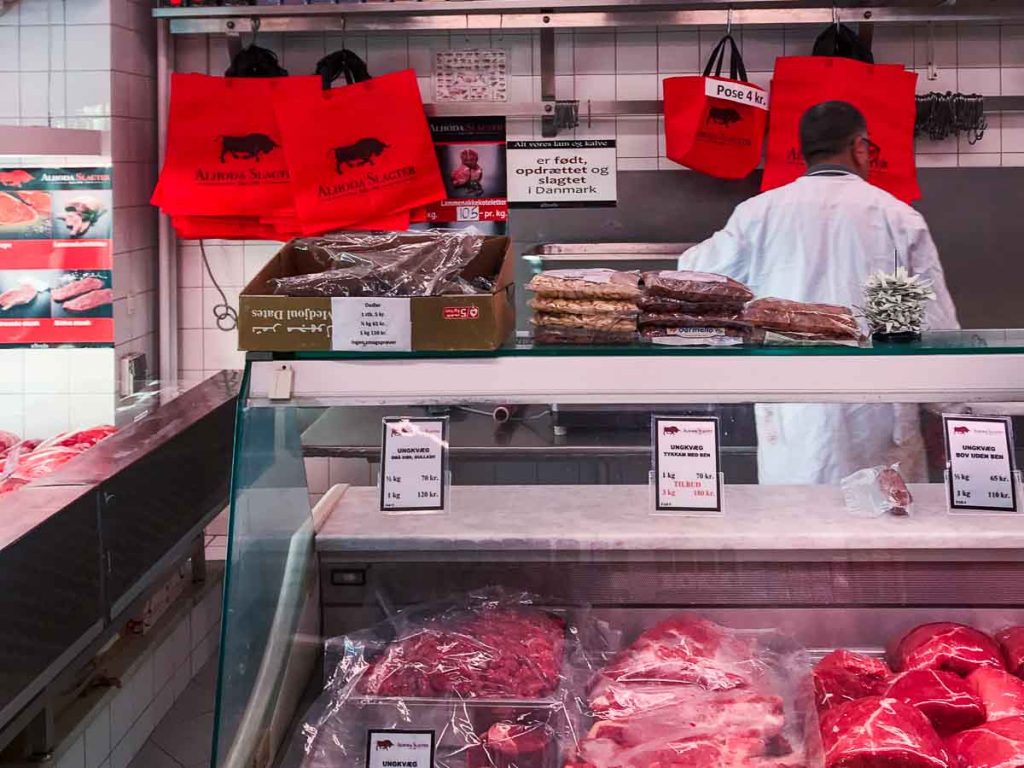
(600, 65)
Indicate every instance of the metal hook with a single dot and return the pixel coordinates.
(728, 22)
(254, 27)
(835, 16)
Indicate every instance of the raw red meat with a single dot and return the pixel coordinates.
(515, 745)
(81, 439)
(13, 211)
(945, 645)
(25, 293)
(1001, 692)
(874, 732)
(500, 653)
(43, 461)
(90, 300)
(1012, 641)
(11, 484)
(943, 697)
(996, 744)
(7, 441)
(846, 676)
(76, 288)
(709, 750)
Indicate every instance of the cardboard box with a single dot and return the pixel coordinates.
(269, 323)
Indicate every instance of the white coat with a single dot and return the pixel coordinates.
(818, 239)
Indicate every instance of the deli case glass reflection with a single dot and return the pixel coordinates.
(551, 613)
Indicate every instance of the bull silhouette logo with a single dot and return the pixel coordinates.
(670, 430)
(355, 155)
(724, 116)
(248, 147)
(384, 744)
(961, 430)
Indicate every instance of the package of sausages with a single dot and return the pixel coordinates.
(812, 321)
(699, 287)
(586, 284)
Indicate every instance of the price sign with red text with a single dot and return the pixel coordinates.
(686, 464)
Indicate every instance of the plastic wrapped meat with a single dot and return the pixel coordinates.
(946, 699)
(846, 676)
(7, 441)
(875, 732)
(81, 439)
(876, 491)
(996, 744)
(548, 335)
(43, 461)
(1000, 692)
(660, 304)
(586, 284)
(515, 745)
(1012, 641)
(697, 287)
(821, 321)
(945, 645)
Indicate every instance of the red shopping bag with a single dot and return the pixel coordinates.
(225, 154)
(883, 93)
(714, 124)
(360, 152)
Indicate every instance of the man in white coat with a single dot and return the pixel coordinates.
(818, 239)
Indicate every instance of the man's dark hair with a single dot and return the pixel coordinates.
(827, 129)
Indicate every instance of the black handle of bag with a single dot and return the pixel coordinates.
(737, 70)
(840, 40)
(342, 63)
(253, 61)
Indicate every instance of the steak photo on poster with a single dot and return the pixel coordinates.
(82, 215)
(24, 214)
(25, 293)
(82, 294)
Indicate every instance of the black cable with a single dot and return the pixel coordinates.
(225, 314)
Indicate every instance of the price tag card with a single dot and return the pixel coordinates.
(399, 749)
(414, 464)
(981, 476)
(686, 465)
(371, 324)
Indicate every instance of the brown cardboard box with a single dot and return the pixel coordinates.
(270, 323)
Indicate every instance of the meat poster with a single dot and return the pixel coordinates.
(471, 154)
(56, 256)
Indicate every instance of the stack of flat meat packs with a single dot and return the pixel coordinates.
(584, 306)
(697, 306)
(802, 322)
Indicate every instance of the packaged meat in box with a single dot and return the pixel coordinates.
(489, 674)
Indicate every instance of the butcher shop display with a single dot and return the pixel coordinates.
(584, 306)
(23, 461)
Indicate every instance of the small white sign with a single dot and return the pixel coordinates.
(562, 173)
(686, 465)
(981, 466)
(414, 464)
(400, 749)
(371, 324)
(740, 93)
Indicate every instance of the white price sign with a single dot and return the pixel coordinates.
(979, 452)
(414, 464)
(371, 324)
(686, 465)
(399, 749)
(562, 173)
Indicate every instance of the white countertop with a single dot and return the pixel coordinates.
(602, 521)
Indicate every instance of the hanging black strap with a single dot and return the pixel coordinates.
(737, 70)
(253, 61)
(840, 40)
(342, 63)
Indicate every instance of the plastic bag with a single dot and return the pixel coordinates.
(720, 319)
(691, 692)
(489, 673)
(704, 287)
(666, 304)
(586, 284)
(874, 491)
(699, 336)
(822, 321)
(601, 307)
(586, 322)
(386, 264)
(549, 335)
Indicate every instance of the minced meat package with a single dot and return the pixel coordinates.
(703, 287)
(814, 321)
(606, 307)
(586, 284)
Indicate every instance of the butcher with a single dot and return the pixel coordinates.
(817, 240)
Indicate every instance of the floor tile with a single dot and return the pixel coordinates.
(187, 741)
(152, 756)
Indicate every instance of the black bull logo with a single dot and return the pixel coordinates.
(360, 153)
(384, 744)
(723, 116)
(248, 147)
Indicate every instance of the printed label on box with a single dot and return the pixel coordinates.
(371, 324)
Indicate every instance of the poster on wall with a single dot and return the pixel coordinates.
(56, 257)
(471, 153)
(562, 173)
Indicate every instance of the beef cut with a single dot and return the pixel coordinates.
(846, 676)
(996, 744)
(76, 288)
(1012, 641)
(81, 439)
(90, 300)
(515, 745)
(24, 293)
(946, 699)
(945, 645)
(876, 732)
(7, 441)
(489, 653)
(1001, 692)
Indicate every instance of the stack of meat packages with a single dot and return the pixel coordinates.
(585, 306)
(952, 698)
(698, 307)
(794, 321)
(22, 461)
(692, 694)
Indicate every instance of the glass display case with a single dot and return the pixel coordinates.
(550, 504)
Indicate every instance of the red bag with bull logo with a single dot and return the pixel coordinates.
(360, 152)
(713, 124)
(884, 93)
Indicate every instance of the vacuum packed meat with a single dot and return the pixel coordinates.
(996, 744)
(945, 698)
(696, 287)
(505, 744)
(824, 321)
(659, 304)
(587, 322)
(1011, 640)
(876, 732)
(946, 645)
(603, 307)
(23, 293)
(1000, 692)
(843, 676)
(709, 319)
(90, 300)
(547, 335)
(586, 284)
(76, 288)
